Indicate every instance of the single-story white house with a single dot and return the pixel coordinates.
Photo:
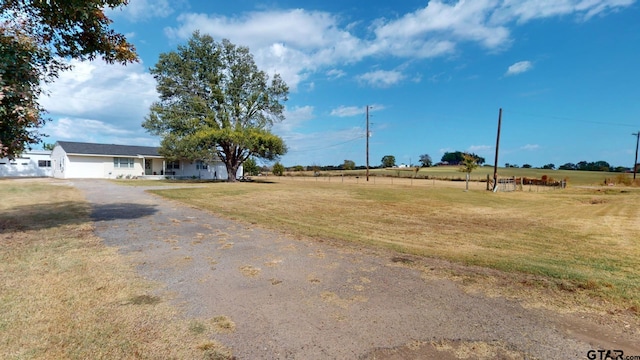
(33, 163)
(107, 161)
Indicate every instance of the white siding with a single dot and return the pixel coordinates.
(58, 162)
(86, 167)
(27, 165)
(112, 172)
(90, 167)
(98, 167)
(69, 166)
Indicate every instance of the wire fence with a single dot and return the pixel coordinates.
(477, 183)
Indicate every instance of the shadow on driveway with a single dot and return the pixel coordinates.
(38, 217)
(121, 211)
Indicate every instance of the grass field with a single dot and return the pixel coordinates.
(64, 295)
(581, 240)
(574, 178)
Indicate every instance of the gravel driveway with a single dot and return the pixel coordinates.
(302, 299)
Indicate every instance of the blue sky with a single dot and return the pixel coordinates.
(435, 73)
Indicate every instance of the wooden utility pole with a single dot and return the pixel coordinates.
(635, 162)
(367, 142)
(495, 163)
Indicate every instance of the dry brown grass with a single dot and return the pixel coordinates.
(580, 241)
(64, 295)
(250, 271)
(223, 324)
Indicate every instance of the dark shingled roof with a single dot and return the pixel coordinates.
(71, 147)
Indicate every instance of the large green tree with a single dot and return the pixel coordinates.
(216, 103)
(457, 157)
(388, 161)
(35, 37)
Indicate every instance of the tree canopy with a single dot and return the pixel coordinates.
(388, 161)
(457, 157)
(34, 37)
(216, 104)
(349, 165)
(425, 160)
(468, 164)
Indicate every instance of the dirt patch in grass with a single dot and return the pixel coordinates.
(65, 295)
(250, 271)
(448, 350)
(222, 324)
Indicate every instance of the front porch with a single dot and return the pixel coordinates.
(153, 167)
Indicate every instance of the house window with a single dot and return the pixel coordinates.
(173, 165)
(201, 165)
(122, 162)
(44, 163)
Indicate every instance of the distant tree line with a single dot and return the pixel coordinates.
(582, 166)
(458, 158)
(592, 166)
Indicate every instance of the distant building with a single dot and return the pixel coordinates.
(33, 163)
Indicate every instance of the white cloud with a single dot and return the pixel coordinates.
(347, 111)
(320, 147)
(292, 43)
(435, 29)
(530, 147)
(69, 128)
(527, 10)
(89, 130)
(142, 10)
(294, 118)
(297, 43)
(519, 68)
(480, 148)
(335, 74)
(382, 78)
(315, 148)
(96, 90)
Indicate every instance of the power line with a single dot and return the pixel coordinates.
(555, 117)
(328, 146)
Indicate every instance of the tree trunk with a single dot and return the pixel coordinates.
(232, 170)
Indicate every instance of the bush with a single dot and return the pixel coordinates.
(278, 169)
